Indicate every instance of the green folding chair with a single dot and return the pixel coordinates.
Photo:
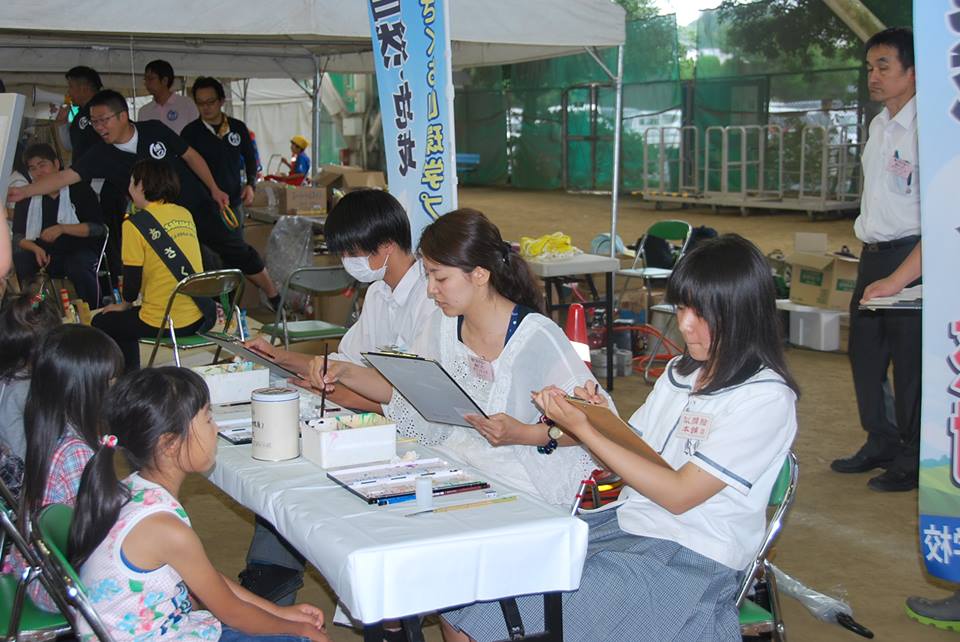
(223, 285)
(765, 620)
(314, 280)
(676, 232)
(20, 618)
(53, 527)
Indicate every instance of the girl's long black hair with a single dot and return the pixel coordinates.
(728, 282)
(467, 239)
(140, 409)
(24, 319)
(71, 372)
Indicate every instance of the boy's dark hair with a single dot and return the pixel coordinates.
(86, 75)
(40, 150)
(364, 220)
(159, 179)
(162, 68)
(727, 282)
(141, 408)
(111, 99)
(206, 82)
(900, 38)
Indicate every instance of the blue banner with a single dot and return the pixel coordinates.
(937, 29)
(411, 47)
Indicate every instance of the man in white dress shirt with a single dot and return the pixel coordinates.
(889, 226)
(172, 109)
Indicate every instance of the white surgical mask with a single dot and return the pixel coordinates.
(359, 268)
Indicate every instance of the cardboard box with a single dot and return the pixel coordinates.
(306, 201)
(270, 195)
(363, 180)
(303, 201)
(819, 278)
(349, 440)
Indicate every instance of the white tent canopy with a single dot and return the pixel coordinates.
(255, 39)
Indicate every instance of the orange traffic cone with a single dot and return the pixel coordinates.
(576, 331)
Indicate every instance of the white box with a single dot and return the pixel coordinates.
(233, 382)
(815, 328)
(355, 439)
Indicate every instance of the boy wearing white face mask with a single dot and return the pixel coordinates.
(371, 232)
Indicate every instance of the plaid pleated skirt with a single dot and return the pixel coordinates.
(632, 588)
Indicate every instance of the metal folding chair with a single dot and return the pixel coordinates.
(53, 529)
(20, 618)
(319, 280)
(675, 231)
(217, 284)
(757, 619)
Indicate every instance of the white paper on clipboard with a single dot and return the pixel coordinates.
(426, 386)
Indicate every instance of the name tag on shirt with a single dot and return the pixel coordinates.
(481, 368)
(694, 425)
(899, 167)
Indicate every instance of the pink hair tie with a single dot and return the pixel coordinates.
(110, 441)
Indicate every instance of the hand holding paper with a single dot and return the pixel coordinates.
(499, 429)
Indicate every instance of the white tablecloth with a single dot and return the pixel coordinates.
(384, 565)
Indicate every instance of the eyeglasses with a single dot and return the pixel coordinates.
(207, 103)
(96, 122)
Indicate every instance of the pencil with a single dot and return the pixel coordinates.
(323, 391)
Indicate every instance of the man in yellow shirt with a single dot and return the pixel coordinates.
(153, 187)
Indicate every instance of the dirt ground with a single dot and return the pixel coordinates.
(840, 537)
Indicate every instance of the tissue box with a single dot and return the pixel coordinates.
(233, 382)
(352, 440)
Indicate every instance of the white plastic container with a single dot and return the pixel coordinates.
(349, 440)
(815, 328)
(276, 423)
(233, 382)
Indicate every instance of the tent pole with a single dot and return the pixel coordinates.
(315, 151)
(617, 124)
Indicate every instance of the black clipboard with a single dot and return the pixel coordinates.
(426, 386)
(233, 345)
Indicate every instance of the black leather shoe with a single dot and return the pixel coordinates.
(859, 463)
(893, 481)
(271, 582)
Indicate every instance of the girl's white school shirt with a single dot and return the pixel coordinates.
(740, 435)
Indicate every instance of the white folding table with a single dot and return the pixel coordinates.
(384, 565)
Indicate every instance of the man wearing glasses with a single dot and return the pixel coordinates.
(224, 143)
(125, 142)
(171, 109)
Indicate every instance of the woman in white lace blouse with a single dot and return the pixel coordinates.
(495, 343)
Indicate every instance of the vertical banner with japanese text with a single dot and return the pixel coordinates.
(937, 27)
(411, 47)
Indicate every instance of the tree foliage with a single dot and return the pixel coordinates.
(639, 9)
(800, 31)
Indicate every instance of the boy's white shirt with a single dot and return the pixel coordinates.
(389, 317)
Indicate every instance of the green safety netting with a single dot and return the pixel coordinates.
(549, 124)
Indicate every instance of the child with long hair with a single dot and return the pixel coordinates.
(132, 540)
(495, 343)
(24, 319)
(71, 372)
(665, 564)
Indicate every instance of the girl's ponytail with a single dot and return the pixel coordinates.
(101, 497)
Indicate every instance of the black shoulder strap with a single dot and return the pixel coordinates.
(160, 242)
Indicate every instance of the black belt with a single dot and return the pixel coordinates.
(889, 245)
